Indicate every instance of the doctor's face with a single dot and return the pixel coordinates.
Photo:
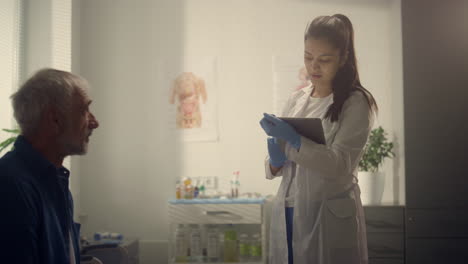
(322, 60)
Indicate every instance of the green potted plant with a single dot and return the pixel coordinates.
(371, 180)
(9, 141)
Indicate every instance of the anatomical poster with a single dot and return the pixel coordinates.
(289, 75)
(191, 93)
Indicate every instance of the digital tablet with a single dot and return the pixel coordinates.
(310, 128)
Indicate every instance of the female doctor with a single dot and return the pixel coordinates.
(317, 215)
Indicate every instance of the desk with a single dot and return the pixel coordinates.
(127, 252)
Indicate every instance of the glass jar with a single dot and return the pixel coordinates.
(256, 248)
(244, 248)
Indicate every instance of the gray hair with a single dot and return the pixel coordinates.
(47, 87)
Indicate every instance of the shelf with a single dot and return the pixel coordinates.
(257, 262)
(247, 214)
(219, 201)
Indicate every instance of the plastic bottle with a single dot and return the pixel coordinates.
(256, 248)
(188, 188)
(221, 243)
(196, 253)
(98, 236)
(230, 245)
(233, 187)
(181, 247)
(212, 244)
(178, 190)
(244, 248)
(116, 236)
(108, 237)
(202, 189)
(237, 185)
(196, 191)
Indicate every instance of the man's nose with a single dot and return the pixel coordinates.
(93, 123)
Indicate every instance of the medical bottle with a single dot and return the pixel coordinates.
(196, 253)
(237, 185)
(188, 188)
(178, 190)
(181, 247)
(221, 242)
(196, 191)
(202, 189)
(256, 248)
(98, 236)
(233, 187)
(212, 244)
(244, 248)
(230, 245)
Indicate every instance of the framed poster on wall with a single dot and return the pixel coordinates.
(190, 93)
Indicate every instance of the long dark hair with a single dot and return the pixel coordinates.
(338, 30)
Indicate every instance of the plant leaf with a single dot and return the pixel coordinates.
(14, 131)
(376, 150)
(5, 144)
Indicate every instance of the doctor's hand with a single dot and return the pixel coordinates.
(277, 156)
(277, 128)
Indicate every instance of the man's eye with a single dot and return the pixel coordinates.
(324, 61)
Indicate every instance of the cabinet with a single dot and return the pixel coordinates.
(385, 234)
(245, 216)
(435, 63)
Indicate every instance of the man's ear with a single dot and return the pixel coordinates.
(53, 120)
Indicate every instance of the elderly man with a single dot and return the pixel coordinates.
(36, 221)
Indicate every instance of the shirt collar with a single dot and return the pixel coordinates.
(36, 160)
(63, 175)
(308, 89)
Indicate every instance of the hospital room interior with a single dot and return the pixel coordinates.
(175, 172)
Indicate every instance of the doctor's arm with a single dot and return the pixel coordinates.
(339, 159)
(276, 170)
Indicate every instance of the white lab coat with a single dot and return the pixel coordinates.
(329, 225)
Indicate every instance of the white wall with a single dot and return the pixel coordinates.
(131, 168)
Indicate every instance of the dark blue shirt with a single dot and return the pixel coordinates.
(36, 209)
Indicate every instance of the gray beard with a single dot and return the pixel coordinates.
(70, 149)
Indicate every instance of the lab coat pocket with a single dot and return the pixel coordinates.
(341, 223)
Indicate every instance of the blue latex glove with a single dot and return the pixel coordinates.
(277, 156)
(277, 128)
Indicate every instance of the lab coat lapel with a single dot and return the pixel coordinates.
(298, 110)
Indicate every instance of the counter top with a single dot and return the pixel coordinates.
(219, 201)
